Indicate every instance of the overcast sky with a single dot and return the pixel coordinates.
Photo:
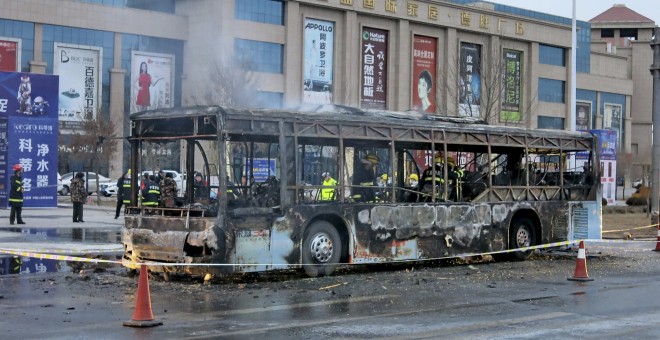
(586, 9)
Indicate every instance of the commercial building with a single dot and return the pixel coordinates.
(460, 58)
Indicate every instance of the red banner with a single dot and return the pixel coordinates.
(8, 55)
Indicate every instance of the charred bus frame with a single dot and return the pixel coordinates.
(293, 228)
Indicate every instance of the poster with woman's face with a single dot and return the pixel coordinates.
(152, 81)
(424, 75)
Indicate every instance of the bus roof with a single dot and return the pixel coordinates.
(335, 114)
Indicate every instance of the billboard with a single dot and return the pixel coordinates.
(79, 68)
(469, 96)
(612, 117)
(317, 71)
(28, 135)
(608, 151)
(424, 73)
(511, 97)
(152, 81)
(374, 68)
(582, 115)
(9, 54)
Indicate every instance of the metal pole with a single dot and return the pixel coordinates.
(655, 172)
(573, 70)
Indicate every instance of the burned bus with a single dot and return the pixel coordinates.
(318, 187)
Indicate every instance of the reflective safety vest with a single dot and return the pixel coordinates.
(328, 194)
(126, 191)
(16, 190)
(152, 195)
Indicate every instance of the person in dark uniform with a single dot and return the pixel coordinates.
(365, 177)
(120, 194)
(126, 188)
(151, 193)
(16, 195)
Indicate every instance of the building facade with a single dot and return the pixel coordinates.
(461, 58)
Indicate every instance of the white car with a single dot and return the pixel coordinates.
(91, 182)
(108, 189)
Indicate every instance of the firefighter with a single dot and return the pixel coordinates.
(365, 177)
(126, 188)
(329, 187)
(16, 195)
(151, 193)
(437, 171)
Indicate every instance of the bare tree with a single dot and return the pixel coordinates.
(91, 142)
(489, 86)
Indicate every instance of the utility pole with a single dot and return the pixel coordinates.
(655, 162)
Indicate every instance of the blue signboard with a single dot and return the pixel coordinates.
(608, 144)
(261, 167)
(28, 135)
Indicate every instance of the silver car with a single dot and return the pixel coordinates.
(90, 179)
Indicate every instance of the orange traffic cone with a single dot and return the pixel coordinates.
(657, 244)
(143, 316)
(581, 266)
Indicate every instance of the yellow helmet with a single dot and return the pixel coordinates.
(439, 158)
(414, 177)
(384, 177)
(451, 161)
(129, 171)
(371, 158)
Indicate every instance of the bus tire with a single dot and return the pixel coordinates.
(522, 234)
(321, 249)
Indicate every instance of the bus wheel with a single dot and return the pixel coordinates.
(321, 249)
(522, 235)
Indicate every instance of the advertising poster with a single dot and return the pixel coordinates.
(612, 117)
(511, 98)
(28, 135)
(424, 74)
(262, 168)
(152, 81)
(609, 140)
(469, 80)
(9, 56)
(79, 69)
(374, 68)
(317, 71)
(582, 116)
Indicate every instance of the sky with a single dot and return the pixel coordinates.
(586, 9)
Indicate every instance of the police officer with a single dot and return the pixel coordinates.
(120, 194)
(329, 187)
(16, 195)
(151, 194)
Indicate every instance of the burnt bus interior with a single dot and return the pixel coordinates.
(270, 159)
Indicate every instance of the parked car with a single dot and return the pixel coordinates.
(90, 178)
(108, 189)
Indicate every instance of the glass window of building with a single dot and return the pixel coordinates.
(607, 33)
(165, 6)
(260, 56)
(629, 33)
(271, 100)
(550, 123)
(552, 55)
(266, 11)
(551, 90)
